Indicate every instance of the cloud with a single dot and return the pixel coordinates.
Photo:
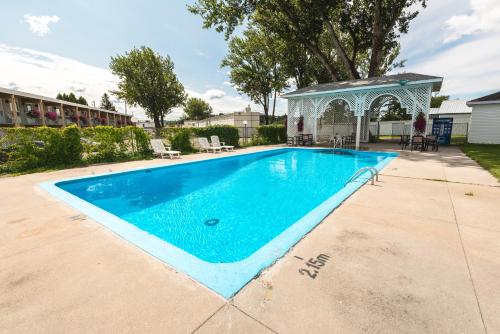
(48, 74)
(468, 69)
(227, 83)
(40, 24)
(214, 94)
(484, 18)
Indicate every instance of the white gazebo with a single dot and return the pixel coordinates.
(344, 107)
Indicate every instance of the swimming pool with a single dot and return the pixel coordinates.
(222, 220)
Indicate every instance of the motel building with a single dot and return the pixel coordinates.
(26, 109)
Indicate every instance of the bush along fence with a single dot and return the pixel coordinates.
(270, 134)
(184, 139)
(30, 149)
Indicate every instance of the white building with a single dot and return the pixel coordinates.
(456, 109)
(485, 120)
(236, 119)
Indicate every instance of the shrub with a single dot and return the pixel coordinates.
(272, 134)
(109, 144)
(179, 138)
(28, 149)
(72, 146)
(33, 148)
(226, 133)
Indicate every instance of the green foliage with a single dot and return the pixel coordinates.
(226, 133)
(179, 139)
(271, 134)
(147, 79)
(30, 149)
(106, 103)
(197, 109)
(436, 101)
(394, 112)
(254, 67)
(40, 148)
(72, 98)
(109, 144)
(72, 145)
(348, 39)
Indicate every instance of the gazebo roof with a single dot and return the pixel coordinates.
(394, 80)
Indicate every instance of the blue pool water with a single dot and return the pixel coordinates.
(221, 211)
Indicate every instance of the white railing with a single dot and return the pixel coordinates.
(373, 171)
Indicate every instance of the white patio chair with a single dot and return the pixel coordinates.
(217, 143)
(205, 146)
(161, 150)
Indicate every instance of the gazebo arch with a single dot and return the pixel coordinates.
(412, 90)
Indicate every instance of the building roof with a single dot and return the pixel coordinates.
(452, 107)
(360, 84)
(50, 99)
(488, 99)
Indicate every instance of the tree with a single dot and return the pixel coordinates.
(71, 98)
(254, 69)
(349, 39)
(106, 103)
(393, 111)
(197, 109)
(147, 79)
(436, 101)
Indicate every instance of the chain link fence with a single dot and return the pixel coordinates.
(394, 130)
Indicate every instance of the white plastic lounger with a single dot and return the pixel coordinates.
(205, 146)
(159, 149)
(217, 143)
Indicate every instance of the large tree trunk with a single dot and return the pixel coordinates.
(156, 120)
(266, 108)
(315, 50)
(351, 71)
(274, 106)
(377, 41)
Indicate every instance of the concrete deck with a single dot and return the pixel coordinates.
(417, 253)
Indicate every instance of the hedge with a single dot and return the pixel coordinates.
(226, 133)
(29, 149)
(109, 144)
(181, 138)
(271, 134)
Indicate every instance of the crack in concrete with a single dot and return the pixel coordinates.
(467, 262)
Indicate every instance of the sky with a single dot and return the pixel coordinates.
(55, 46)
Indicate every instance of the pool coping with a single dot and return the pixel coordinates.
(225, 279)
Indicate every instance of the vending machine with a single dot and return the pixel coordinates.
(442, 129)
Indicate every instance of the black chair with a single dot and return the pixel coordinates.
(290, 141)
(417, 143)
(431, 141)
(307, 139)
(405, 141)
(299, 140)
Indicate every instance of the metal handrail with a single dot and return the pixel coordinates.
(373, 172)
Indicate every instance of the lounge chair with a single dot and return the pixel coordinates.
(161, 150)
(205, 146)
(217, 143)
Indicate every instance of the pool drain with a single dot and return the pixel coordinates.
(212, 222)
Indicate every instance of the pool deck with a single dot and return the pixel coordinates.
(419, 252)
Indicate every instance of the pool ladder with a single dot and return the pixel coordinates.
(373, 172)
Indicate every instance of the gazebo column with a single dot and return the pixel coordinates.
(358, 131)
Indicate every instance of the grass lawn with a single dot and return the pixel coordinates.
(488, 156)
